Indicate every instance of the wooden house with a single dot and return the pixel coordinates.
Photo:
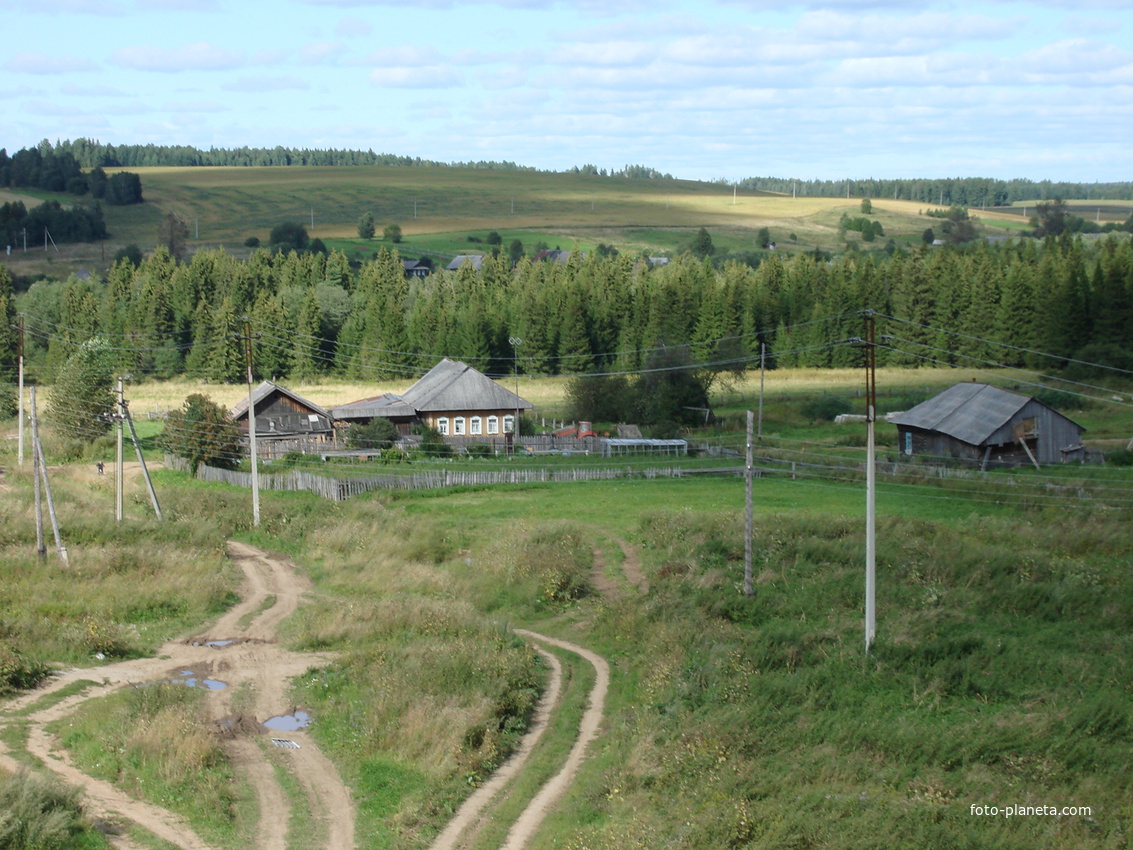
(284, 421)
(984, 425)
(464, 405)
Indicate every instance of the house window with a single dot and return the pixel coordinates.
(458, 426)
(509, 420)
(493, 424)
(474, 426)
(442, 425)
(908, 442)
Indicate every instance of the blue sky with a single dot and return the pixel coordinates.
(709, 89)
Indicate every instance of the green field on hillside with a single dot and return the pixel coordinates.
(439, 208)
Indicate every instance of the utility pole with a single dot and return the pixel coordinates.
(871, 480)
(118, 467)
(515, 343)
(762, 370)
(39, 465)
(20, 360)
(247, 339)
(40, 548)
(141, 460)
(748, 508)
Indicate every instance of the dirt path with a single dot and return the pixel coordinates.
(471, 817)
(249, 656)
(613, 587)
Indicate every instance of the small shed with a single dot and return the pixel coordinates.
(284, 421)
(981, 424)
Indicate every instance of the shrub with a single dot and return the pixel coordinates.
(479, 450)
(17, 673)
(378, 434)
(433, 444)
(825, 407)
(252, 242)
(38, 813)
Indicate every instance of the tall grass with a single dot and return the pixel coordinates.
(157, 742)
(37, 813)
(1000, 676)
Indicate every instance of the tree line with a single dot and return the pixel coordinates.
(945, 192)
(316, 314)
(46, 168)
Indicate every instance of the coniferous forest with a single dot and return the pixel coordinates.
(316, 314)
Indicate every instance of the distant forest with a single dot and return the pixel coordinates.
(317, 314)
(946, 192)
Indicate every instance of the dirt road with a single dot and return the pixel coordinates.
(471, 817)
(239, 649)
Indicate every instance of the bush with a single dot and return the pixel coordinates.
(38, 813)
(9, 400)
(479, 450)
(378, 434)
(434, 445)
(825, 408)
(252, 242)
(17, 673)
(1121, 457)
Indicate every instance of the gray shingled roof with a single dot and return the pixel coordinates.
(386, 404)
(969, 412)
(263, 391)
(452, 385)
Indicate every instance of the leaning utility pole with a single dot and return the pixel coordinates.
(40, 548)
(141, 460)
(247, 339)
(41, 463)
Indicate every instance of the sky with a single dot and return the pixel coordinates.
(700, 89)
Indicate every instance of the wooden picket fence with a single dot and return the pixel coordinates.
(339, 489)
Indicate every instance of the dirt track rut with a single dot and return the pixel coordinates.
(251, 657)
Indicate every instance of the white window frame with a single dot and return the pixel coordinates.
(442, 426)
(474, 426)
(493, 424)
(509, 422)
(458, 426)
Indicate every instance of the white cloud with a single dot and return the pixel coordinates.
(266, 83)
(198, 56)
(415, 77)
(353, 28)
(43, 63)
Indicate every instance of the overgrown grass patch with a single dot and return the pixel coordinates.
(156, 743)
(38, 812)
(759, 722)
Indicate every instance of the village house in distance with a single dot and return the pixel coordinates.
(464, 405)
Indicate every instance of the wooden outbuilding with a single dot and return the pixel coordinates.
(285, 421)
(986, 426)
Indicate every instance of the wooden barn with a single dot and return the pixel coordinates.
(284, 421)
(986, 426)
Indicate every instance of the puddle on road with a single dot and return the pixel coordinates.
(215, 644)
(194, 681)
(288, 722)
